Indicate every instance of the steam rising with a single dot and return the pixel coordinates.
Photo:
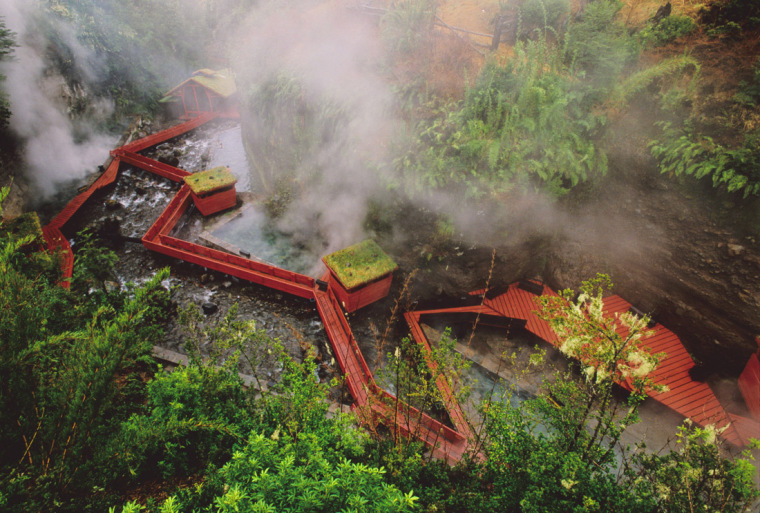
(56, 148)
(334, 55)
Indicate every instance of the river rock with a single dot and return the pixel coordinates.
(735, 249)
(209, 308)
(112, 204)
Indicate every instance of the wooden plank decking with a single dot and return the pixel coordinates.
(174, 174)
(692, 399)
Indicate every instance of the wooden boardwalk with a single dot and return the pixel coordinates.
(371, 402)
(692, 399)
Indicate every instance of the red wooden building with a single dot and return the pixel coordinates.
(205, 91)
(359, 274)
(213, 190)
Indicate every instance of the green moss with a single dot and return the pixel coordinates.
(220, 82)
(360, 264)
(210, 180)
(21, 226)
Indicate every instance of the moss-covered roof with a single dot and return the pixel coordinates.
(221, 82)
(21, 226)
(359, 264)
(210, 180)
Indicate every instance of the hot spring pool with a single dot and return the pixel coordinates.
(253, 232)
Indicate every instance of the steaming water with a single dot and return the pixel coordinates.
(227, 149)
(222, 145)
(253, 232)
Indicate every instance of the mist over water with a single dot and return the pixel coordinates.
(56, 148)
(335, 56)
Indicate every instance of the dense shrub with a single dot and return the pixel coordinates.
(541, 16)
(670, 28)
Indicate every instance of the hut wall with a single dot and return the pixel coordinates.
(216, 201)
(197, 100)
(362, 296)
(749, 384)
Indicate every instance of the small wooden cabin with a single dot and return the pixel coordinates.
(205, 91)
(213, 190)
(360, 274)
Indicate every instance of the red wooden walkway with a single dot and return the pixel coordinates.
(692, 399)
(372, 402)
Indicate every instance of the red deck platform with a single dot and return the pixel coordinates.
(690, 398)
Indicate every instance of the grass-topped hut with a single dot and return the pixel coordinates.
(213, 190)
(360, 274)
(205, 91)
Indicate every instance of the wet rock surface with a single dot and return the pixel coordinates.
(124, 212)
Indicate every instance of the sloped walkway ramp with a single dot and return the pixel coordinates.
(692, 399)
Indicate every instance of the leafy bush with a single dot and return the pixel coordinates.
(408, 24)
(272, 475)
(599, 45)
(683, 153)
(668, 29)
(748, 94)
(293, 123)
(696, 477)
(541, 15)
(521, 126)
(194, 415)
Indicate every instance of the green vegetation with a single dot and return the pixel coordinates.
(87, 419)
(407, 25)
(534, 123)
(359, 264)
(25, 225)
(292, 124)
(89, 422)
(140, 49)
(731, 17)
(683, 153)
(541, 16)
(7, 44)
(540, 120)
(210, 180)
(670, 28)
